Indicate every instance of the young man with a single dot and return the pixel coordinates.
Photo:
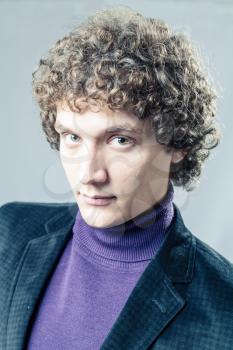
(126, 104)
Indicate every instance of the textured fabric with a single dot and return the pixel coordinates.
(94, 277)
(183, 299)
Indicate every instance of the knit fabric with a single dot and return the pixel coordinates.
(95, 276)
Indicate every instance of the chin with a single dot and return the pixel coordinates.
(101, 224)
(98, 223)
(100, 218)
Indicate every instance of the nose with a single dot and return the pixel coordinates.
(93, 169)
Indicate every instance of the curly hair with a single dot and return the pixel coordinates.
(120, 59)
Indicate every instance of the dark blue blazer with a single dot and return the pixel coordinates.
(182, 301)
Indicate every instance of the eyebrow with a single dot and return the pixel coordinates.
(112, 129)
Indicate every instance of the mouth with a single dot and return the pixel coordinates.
(98, 197)
(98, 200)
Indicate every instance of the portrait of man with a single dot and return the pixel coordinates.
(126, 104)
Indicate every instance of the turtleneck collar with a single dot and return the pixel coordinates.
(136, 240)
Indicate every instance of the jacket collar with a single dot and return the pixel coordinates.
(153, 303)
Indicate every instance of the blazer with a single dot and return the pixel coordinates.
(183, 300)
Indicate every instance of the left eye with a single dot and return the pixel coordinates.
(123, 138)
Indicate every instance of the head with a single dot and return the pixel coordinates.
(120, 69)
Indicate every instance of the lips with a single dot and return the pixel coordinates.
(98, 201)
(98, 197)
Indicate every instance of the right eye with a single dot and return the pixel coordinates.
(70, 137)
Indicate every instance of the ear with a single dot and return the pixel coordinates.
(177, 156)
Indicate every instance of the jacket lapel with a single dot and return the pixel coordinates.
(153, 303)
(37, 262)
(155, 300)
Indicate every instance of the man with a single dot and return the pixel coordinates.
(126, 104)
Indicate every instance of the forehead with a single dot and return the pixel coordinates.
(99, 122)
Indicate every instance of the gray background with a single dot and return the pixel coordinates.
(31, 171)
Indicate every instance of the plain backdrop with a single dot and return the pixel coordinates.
(31, 171)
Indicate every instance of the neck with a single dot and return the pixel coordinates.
(135, 240)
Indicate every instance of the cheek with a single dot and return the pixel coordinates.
(127, 174)
(71, 171)
(153, 167)
(159, 165)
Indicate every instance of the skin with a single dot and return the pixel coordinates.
(131, 166)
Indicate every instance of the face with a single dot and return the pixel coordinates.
(112, 154)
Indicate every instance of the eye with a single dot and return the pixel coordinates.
(72, 137)
(123, 138)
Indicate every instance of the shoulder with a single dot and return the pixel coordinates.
(212, 263)
(26, 220)
(16, 208)
(208, 287)
(21, 222)
(211, 289)
(203, 260)
(208, 293)
(21, 211)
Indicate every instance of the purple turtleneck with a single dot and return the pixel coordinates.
(94, 278)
